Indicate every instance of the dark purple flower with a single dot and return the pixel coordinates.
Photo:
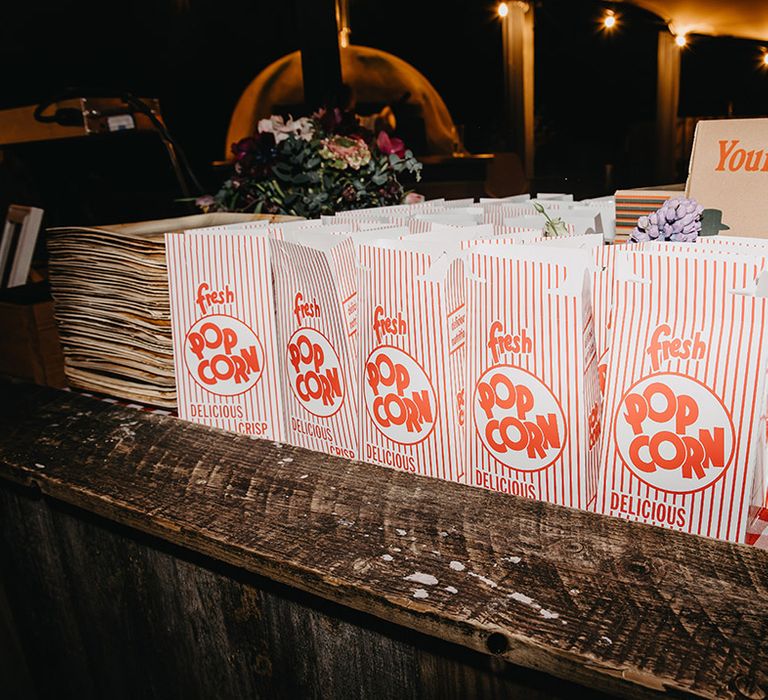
(340, 122)
(243, 147)
(254, 156)
(348, 194)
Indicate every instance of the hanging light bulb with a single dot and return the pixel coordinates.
(503, 9)
(681, 40)
(765, 57)
(609, 20)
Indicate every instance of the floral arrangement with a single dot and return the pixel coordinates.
(314, 165)
(676, 220)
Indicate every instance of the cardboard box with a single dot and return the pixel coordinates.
(29, 342)
(729, 171)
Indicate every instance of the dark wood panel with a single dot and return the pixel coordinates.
(613, 605)
(107, 612)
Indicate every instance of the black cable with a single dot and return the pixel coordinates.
(175, 151)
(69, 116)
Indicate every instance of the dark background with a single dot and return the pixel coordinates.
(595, 92)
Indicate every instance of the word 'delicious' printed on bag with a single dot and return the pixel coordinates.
(223, 331)
(412, 340)
(532, 372)
(685, 394)
(316, 301)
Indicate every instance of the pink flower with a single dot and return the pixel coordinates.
(282, 129)
(343, 151)
(413, 198)
(205, 202)
(391, 145)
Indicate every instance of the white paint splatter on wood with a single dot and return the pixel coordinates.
(521, 598)
(485, 580)
(426, 579)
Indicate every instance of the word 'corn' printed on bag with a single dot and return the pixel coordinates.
(685, 393)
(532, 389)
(411, 324)
(223, 325)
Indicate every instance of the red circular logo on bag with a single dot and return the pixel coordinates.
(399, 396)
(314, 372)
(518, 418)
(673, 433)
(223, 355)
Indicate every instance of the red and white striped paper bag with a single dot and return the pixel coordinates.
(740, 243)
(316, 310)
(223, 325)
(602, 301)
(532, 389)
(686, 393)
(411, 326)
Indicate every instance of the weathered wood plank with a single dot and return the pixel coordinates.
(616, 606)
(105, 611)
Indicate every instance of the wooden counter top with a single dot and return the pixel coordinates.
(624, 608)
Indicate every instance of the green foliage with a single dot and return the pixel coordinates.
(314, 166)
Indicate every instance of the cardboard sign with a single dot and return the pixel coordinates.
(685, 393)
(223, 322)
(316, 307)
(729, 171)
(533, 401)
(411, 325)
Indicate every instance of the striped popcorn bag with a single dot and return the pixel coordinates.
(533, 402)
(223, 325)
(685, 393)
(316, 314)
(412, 353)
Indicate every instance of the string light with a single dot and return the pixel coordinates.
(765, 57)
(503, 9)
(609, 21)
(681, 40)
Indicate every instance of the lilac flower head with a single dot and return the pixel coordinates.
(678, 219)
